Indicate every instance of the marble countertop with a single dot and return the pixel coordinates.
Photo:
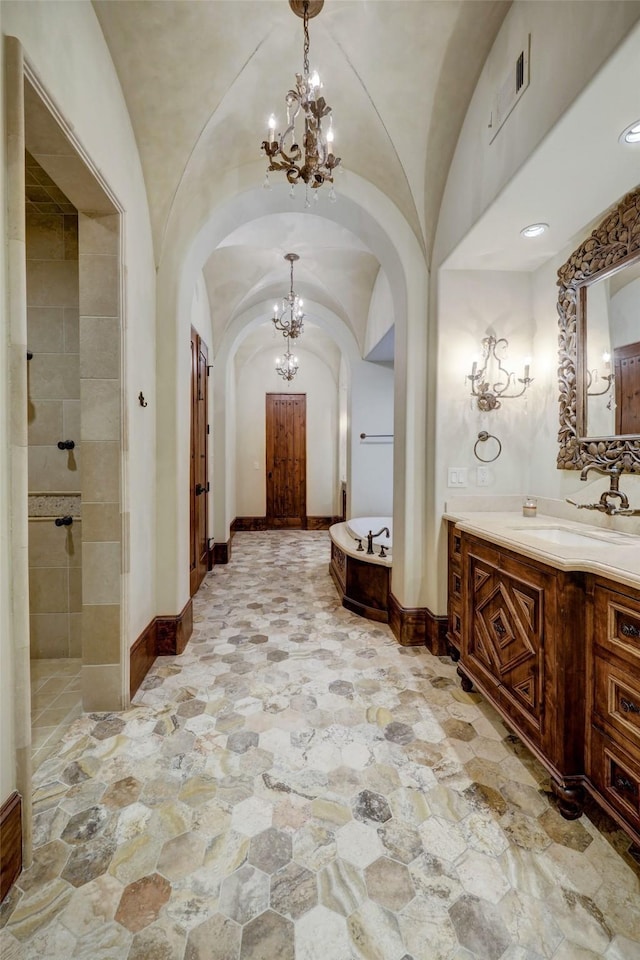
(343, 539)
(589, 548)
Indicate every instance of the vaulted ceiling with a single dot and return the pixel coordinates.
(204, 75)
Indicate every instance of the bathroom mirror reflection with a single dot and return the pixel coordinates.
(611, 349)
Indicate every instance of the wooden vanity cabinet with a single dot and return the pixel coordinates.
(613, 702)
(523, 645)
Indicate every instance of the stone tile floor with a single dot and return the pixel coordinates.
(296, 786)
(56, 700)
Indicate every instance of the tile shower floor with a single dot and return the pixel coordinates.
(296, 786)
(56, 700)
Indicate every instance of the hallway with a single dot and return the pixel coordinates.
(297, 786)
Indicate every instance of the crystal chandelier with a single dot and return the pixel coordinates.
(290, 326)
(315, 161)
(287, 367)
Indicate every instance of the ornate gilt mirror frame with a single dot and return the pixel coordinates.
(615, 241)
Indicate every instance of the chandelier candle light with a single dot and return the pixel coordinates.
(287, 367)
(290, 326)
(489, 395)
(314, 162)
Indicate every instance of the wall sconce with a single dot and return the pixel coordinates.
(607, 378)
(492, 382)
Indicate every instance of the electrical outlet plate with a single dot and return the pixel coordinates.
(482, 476)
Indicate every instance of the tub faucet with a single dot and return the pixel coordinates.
(613, 501)
(370, 537)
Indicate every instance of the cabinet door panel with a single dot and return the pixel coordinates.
(507, 637)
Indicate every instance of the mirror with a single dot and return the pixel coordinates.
(612, 354)
(599, 318)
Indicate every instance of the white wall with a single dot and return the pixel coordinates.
(80, 79)
(371, 406)
(380, 318)
(255, 378)
(559, 72)
(473, 304)
(85, 88)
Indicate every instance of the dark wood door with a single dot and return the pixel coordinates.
(627, 384)
(286, 448)
(199, 545)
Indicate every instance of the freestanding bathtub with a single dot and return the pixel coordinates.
(362, 579)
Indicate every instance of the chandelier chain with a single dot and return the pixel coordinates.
(306, 37)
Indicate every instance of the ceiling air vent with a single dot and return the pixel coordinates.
(510, 90)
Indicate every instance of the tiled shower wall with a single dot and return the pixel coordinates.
(55, 553)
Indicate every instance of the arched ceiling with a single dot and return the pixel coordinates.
(201, 78)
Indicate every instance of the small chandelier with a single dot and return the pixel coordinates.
(287, 367)
(284, 151)
(489, 395)
(292, 325)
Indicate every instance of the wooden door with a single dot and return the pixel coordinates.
(627, 386)
(199, 544)
(286, 448)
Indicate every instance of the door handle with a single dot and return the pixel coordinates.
(200, 489)
(270, 475)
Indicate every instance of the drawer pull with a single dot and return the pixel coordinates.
(628, 706)
(628, 630)
(623, 783)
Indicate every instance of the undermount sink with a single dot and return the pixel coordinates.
(565, 537)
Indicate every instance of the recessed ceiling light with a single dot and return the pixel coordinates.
(534, 229)
(631, 134)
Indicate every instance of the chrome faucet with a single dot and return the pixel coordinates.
(613, 501)
(370, 537)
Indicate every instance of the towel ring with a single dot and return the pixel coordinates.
(482, 436)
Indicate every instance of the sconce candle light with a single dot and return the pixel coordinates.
(607, 378)
(493, 383)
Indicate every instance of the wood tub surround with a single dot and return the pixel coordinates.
(557, 653)
(365, 588)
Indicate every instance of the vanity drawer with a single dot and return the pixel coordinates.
(617, 624)
(455, 547)
(455, 585)
(455, 623)
(616, 700)
(616, 775)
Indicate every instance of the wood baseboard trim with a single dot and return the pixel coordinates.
(418, 626)
(11, 832)
(407, 623)
(250, 524)
(222, 552)
(436, 640)
(321, 523)
(173, 632)
(141, 656)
